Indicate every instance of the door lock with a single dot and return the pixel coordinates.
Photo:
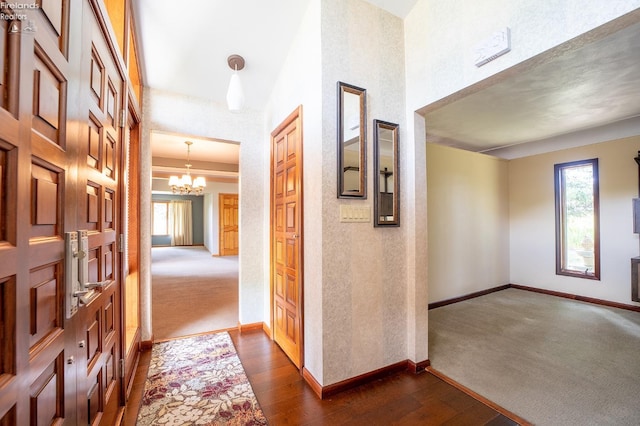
(71, 283)
(78, 289)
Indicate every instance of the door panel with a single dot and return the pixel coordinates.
(45, 398)
(49, 99)
(45, 310)
(286, 236)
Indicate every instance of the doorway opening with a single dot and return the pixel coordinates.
(194, 278)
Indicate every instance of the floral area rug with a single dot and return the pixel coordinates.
(198, 381)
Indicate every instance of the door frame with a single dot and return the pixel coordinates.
(131, 189)
(294, 115)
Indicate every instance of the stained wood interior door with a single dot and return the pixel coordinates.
(60, 146)
(286, 237)
(228, 218)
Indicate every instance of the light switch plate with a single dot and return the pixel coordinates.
(355, 213)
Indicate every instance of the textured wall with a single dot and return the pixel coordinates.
(209, 225)
(532, 218)
(364, 269)
(145, 222)
(413, 175)
(468, 198)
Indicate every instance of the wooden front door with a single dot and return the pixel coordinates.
(286, 236)
(228, 206)
(99, 212)
(60, 147)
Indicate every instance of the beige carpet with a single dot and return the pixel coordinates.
(550, 360)
(192, 291)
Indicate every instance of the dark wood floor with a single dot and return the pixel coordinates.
(401, 399)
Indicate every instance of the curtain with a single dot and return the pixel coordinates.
(180, 223)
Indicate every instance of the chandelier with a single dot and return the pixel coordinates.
(185, 185)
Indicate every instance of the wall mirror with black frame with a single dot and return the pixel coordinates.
(386, 164)
(352, 168)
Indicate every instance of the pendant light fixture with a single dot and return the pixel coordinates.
(185, 185)
(235, 94)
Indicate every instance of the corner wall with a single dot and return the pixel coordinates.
(365, 304)
(532, 219)
(468, 222)
(299, 84)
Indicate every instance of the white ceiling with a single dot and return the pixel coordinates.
(598, 83)
(185, 46)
